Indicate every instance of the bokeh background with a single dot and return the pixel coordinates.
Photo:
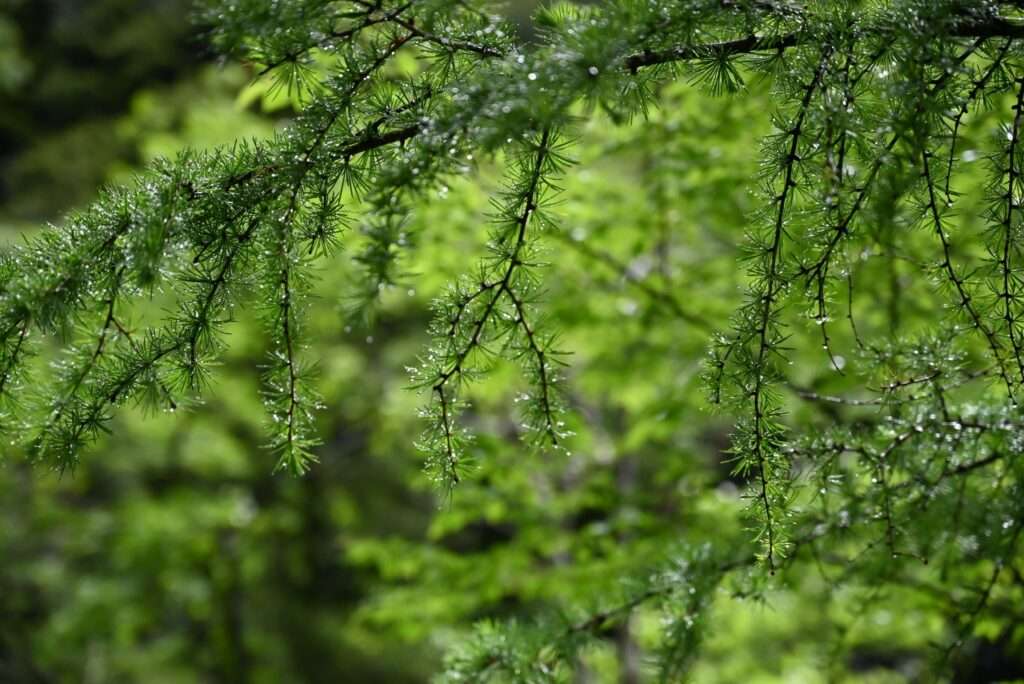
(173, 554)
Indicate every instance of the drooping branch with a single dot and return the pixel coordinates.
(964, 298)
(471, 320)
(1010, 247)
(773, 280)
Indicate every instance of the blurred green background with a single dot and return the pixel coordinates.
(172, 554)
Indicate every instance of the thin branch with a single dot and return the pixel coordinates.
(750, 44)
(959, 283)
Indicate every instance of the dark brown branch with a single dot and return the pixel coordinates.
(746, 45)
(996, 27)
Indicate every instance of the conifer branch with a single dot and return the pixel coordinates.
(959, 284)
(741, 46)
(818, 270)
(78, 376)
(445, 42)
(368, 18)
(976, 90)
(1012, 199)
(992, 27)
(462, 326)
(763, 432)
(546, 378)
(13, 357)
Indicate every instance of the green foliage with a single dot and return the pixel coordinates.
(869, 373)
(492, 316)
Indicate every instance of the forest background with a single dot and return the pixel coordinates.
(175, 554)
